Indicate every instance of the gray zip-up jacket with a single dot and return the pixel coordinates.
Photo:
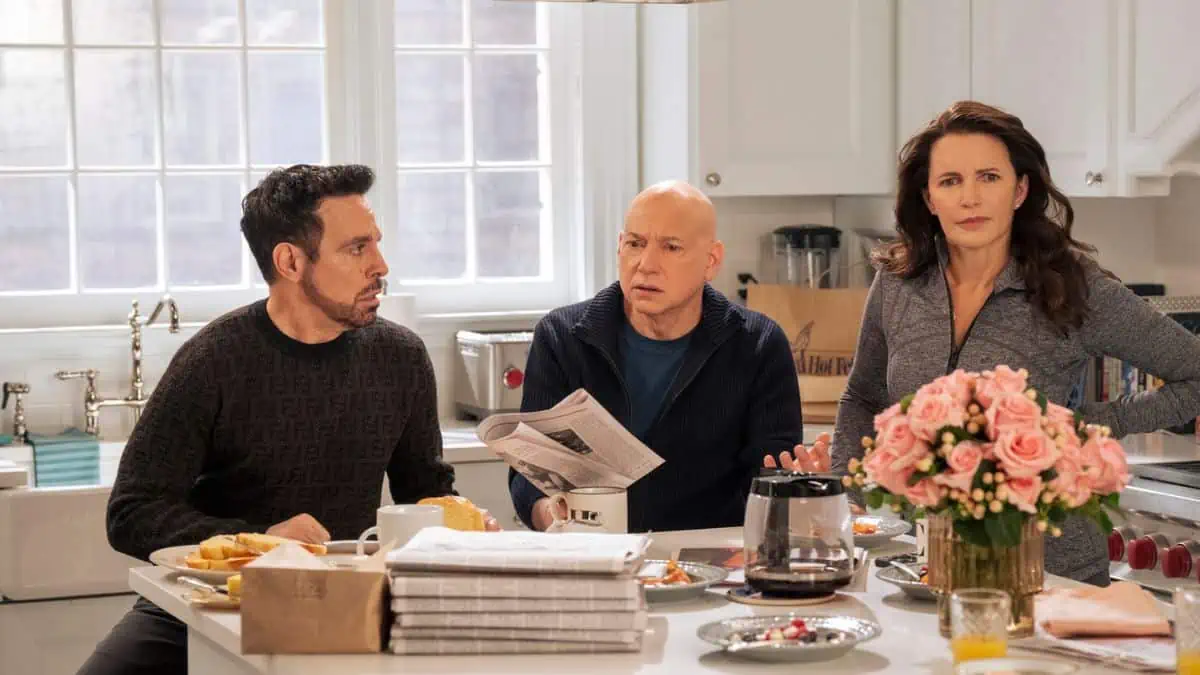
(906, 340)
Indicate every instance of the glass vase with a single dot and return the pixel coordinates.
(1018, 570)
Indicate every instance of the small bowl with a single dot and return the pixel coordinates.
(703, 576)
(913, 589)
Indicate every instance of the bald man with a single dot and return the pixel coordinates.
(708, 385)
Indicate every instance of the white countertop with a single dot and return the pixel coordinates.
(910, 642)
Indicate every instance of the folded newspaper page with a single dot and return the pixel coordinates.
(577, 443)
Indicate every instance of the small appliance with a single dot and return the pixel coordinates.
(489, 372)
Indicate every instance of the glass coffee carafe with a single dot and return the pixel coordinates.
(798, 534)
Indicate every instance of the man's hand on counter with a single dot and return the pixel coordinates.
(303, 528)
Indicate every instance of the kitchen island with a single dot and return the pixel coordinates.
(910, 642)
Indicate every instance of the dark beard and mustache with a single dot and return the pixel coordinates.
(349, 315)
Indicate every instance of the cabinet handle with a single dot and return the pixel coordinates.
(1093, 178)
(713, 179)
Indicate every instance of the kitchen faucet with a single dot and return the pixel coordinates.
(136, 399)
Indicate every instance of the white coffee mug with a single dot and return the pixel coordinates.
(603, 508)
(398, 523)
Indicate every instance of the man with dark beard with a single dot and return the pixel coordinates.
(283, 416)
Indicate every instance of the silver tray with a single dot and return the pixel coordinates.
(913, 589)
(836, 635)
(703, 576)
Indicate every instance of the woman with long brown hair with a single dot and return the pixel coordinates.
(986, 272)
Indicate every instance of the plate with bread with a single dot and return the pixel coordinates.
(217, 558)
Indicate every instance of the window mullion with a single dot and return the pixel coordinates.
(160, 140)
(244, 123)
(72, 145)
(471, 222)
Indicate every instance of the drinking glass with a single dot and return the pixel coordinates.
(979, 623)
(1187, 631)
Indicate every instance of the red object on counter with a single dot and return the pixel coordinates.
(1143, 553)
(1181, 559)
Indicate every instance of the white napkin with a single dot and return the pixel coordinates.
(444, 549)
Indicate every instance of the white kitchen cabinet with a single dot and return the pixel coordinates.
(1047, 63)
(55, 637)
(1157, 55)
(1111, 88)
(770, 97)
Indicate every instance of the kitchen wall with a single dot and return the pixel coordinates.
(1139, 239)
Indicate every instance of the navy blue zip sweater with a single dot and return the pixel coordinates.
(734, 400)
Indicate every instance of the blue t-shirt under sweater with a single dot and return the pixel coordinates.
(649, 367)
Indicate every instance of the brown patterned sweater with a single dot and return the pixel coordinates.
(249, 427)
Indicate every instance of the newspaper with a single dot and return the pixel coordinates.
(577, 443)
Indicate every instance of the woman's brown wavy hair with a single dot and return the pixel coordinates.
(1052, 260)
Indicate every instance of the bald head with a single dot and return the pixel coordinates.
(689, 210)
(668, 252)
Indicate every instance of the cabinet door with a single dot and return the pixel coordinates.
(794, 97)
(1048, 63)
(1158, 56)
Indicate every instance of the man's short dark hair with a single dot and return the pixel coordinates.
(283, 208)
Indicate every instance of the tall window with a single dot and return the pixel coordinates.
(131, 129)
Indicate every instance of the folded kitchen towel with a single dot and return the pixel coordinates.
(1121, 609)
(67, 459)
(520, 551)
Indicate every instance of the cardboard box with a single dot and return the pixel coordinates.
(295, 603)
(822, 326)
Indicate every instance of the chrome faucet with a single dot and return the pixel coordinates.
(17, 390)
(136, 399)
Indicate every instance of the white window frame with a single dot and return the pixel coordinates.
(595, 157)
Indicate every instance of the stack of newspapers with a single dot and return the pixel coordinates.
(457, 592)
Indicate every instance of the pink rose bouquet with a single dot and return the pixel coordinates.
(992, 452)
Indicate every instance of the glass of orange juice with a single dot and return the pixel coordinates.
(1187, 631)
(979, 623)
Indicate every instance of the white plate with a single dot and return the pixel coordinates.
(173, 558)
(889, 528)
(913, 589)
(703, 576)
(836, 635)
(1014, 666)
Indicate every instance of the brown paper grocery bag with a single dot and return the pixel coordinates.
(822, 326)
(293, 603)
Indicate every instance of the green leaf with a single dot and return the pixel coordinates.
(973, 532)
(1004, 528)
(1112, 500)
(1057, 514)
(1049, 475)
(875, 499)
(1042, 402)
(905, 402)
(1078, 420)
(1103, 521)
(915, 478)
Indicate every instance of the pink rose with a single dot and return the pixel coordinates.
(882, 419)
(1105, 462)
(962, 463)
(1024, 492)
(927, 414)
(898, 436)
(924, 493)
(957, 385)
(1062, 417)
(883, 466)
(1012, 413)
(1003, 380)
(1072, 482)
(1025, 453)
